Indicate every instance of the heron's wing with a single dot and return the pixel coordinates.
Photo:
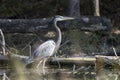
(44, 50)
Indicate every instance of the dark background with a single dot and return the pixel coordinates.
(29, 9)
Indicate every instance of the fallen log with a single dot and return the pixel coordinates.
(74, 60)
(90, 23)
(87, 59)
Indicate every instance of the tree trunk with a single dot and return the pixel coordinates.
(96, 6)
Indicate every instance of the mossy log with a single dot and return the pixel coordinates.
(89, 23)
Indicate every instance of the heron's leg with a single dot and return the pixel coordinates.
(73, 68)
(5, 77)
(44, 65)
(38, 66)
(59, 66)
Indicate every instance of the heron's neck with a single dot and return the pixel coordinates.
(58, 34)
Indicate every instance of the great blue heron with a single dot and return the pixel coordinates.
(48, 48)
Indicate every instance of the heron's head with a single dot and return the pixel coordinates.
(62, 18)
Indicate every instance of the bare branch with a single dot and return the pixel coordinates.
(3, 42)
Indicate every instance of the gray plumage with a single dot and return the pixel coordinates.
(49, 47)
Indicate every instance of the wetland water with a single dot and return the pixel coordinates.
(61, 74)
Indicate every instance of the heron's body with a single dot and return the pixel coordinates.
(44, 50)
(49, 47)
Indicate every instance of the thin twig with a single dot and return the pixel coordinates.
(115, 52)
(65, 43)
(3, 42)
(27, 44)
(15, 55)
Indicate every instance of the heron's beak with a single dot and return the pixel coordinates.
(68, 18)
